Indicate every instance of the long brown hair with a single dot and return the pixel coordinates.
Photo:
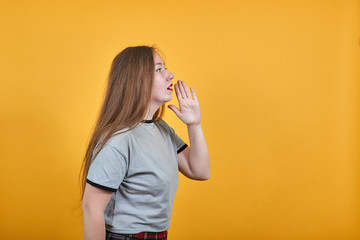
(126, 101)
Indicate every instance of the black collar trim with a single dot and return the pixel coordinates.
(147, 121)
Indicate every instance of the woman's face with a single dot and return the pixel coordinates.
(162, 86)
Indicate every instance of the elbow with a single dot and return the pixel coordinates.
(203, 176)
(206, 174)
(206, 177)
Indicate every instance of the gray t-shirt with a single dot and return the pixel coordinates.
(141, 168)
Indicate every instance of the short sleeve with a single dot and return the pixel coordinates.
(108, 169)
(180, 144)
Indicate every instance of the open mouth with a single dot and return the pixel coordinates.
(169, 88)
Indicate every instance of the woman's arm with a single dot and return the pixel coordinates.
(194, 161)
(94, 203)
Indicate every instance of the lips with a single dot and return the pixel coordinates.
(169, 88)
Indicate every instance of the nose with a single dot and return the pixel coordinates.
(170, 76)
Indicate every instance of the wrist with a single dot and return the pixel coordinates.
(194, 125)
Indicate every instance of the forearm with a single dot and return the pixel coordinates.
(199, 156)
(94, 226)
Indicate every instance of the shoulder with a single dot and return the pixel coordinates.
(164, 126)
(120, 139)
(124, 137)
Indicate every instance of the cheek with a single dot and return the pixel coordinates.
(157, 84)
(155, 88)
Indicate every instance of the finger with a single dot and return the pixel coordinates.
(186, 89)
(194, 94)
(179, 96)
(177, 92)
(182, 90)
(174, 109)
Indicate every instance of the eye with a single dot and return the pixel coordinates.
(158, 70)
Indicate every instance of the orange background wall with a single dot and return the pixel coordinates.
(278, 83)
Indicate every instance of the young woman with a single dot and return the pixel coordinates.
(130, 170)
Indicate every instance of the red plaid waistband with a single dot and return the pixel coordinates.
(142, 235)
(150, 235)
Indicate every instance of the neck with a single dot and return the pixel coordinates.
(152, 109)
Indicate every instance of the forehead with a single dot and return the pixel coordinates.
(158, 59)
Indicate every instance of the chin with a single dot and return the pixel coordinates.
(168, 99)
(163, 100)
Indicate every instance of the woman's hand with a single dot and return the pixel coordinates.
(189, 108)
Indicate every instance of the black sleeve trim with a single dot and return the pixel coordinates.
(100, 186)
(182, 148)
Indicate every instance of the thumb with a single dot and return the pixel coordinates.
(174, 109)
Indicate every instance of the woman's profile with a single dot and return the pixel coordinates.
(130, 170)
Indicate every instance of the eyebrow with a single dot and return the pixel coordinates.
(159, 64)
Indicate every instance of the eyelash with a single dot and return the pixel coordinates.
(159, 69)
